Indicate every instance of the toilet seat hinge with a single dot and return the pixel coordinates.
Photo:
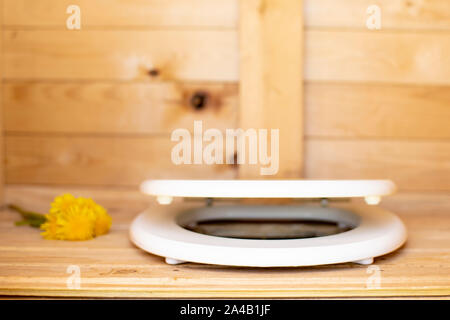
(209, 202)
(324, 202)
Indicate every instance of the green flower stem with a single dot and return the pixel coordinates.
(30, 218)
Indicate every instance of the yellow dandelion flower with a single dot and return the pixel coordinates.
(103, 219)
(73, 218)
(88, 202)
(50, 227)
(102, 223)
(62, 202)
(76, 223)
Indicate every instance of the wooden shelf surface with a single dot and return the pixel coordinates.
(112, 267)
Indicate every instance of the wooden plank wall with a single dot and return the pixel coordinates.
(378, 101)
(96, 106)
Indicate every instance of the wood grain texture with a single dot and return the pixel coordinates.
(213, 55)
(331, 109)
(412, 165)
(121, 55)
(271, 62)
(112, 267)
(395, 14)
(107, 160)
(129, 74)
(117, 13)
(414, 58)
(149, 108)
(377, 111)
(2, 148)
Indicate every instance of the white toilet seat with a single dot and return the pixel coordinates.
(377, 232)
(268, 188)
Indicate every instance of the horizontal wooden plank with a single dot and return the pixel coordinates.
(150, 108)
(332, 109)
(99, 161)
(378, 111)
(118, 13)
(413, 203)
(415, 58)
(412, 165)
(395, 14)
(123, 55)
(213, 55)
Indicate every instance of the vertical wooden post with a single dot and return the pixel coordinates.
(271, 78)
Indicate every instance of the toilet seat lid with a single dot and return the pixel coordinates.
(268, 188)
